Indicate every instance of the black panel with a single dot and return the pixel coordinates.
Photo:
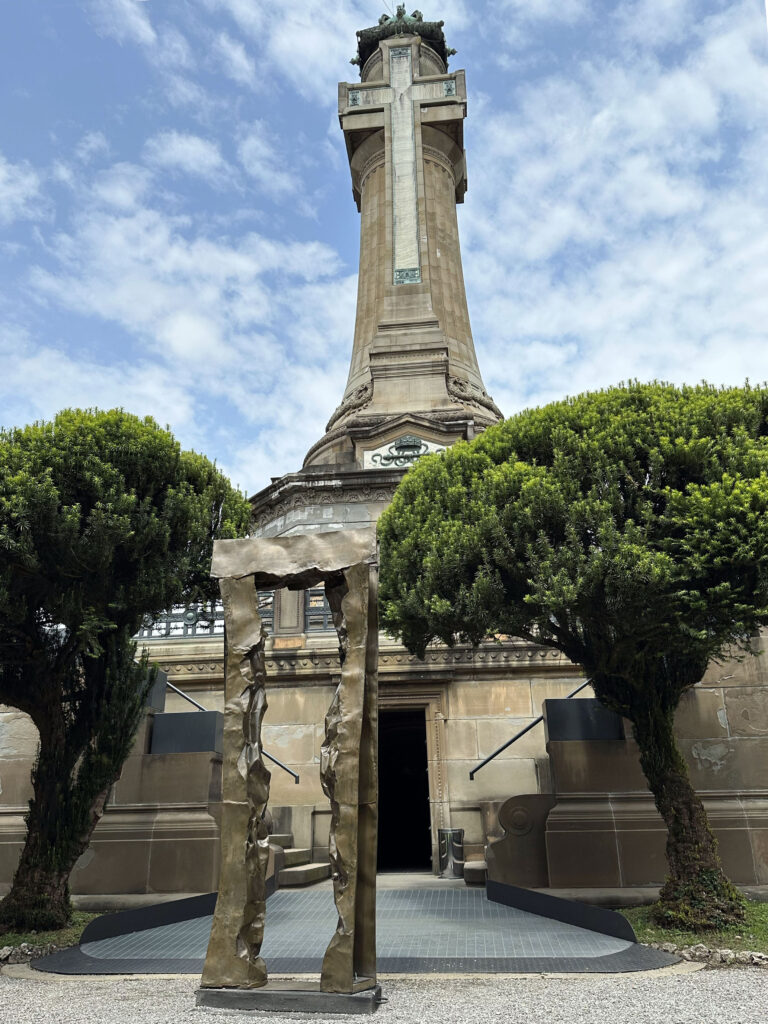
(156, 696)
(187, 732)
(582, 915)
(582, 719)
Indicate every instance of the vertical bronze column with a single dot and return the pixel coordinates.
(348, 773)
(241, 904)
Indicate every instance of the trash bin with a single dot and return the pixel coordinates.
(450, 846)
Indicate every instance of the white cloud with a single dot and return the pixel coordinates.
(309, 48)
(40, 380)
(655, 23)
(20, 196)
(517, 21)
(547, 10)
(611, 234)
(92, 144)
(125, 20)
(179, 151)
(261, 161)
(166, 48)
(173, 50)
(234, 60)
(123, 186)
(250, 327)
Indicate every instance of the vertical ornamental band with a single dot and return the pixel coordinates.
(405, 212)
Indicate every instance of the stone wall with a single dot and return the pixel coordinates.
(473, 702)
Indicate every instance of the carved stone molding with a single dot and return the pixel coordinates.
(188, 668)
(317, 665)
(330, 496)
(359, 399)
(432, 155)
(371, 164)
(462, 391)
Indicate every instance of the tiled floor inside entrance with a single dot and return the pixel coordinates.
(428, 930)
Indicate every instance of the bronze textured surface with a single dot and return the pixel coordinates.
(297, 561)
(233, 958)
(347, 563)
(348, 774)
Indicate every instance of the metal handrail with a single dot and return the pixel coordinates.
(185, 696)
(281, 765)
(296, 777)
(522, 732)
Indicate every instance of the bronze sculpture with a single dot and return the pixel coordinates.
(347, 563)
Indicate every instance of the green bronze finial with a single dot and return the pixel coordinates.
(397, 25)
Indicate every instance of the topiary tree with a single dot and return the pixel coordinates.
(103, 521)
(626, 528)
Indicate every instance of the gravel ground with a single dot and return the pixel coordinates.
(734, 996)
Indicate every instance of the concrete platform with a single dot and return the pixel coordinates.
(420, 931)
(290, 997)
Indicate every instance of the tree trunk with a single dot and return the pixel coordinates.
(697, 893)
(86, 732)
(62, 815)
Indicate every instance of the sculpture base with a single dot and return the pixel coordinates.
(291, 997)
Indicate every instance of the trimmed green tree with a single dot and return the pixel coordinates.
(626, 528)
(104, 521)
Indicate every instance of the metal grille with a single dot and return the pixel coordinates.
(199, 620)
(317, 611)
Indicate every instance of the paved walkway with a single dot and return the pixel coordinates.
(429, 930)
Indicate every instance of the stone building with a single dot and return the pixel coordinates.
(570, 796)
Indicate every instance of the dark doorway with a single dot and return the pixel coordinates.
(405, 842)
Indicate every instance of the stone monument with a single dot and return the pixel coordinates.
(414, 385)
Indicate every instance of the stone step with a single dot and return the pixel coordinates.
(304, 874)
(296, 855)
(475, 872)
(282, 839)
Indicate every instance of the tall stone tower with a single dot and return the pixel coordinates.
(413, 357)
(414, 385)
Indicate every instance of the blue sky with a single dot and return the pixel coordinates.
(178, 236)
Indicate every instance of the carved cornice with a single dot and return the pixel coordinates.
(332, 496)
(400, 24)
(432, 155)
(193, 669)
(319, 666)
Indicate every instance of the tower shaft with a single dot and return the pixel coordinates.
(413, 357)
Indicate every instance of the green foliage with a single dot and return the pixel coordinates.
(104, 521)
(69, 936)
(626, 528)
(703, 902)
(751, 934)
(620, 526)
